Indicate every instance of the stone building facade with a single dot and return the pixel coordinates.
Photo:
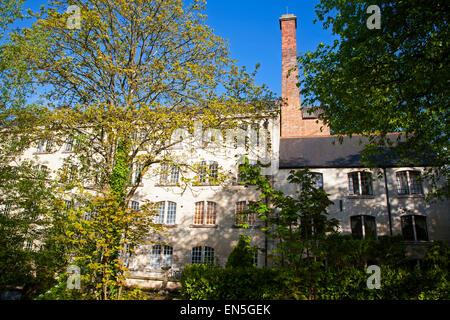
(202, 219)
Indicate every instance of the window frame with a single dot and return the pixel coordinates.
(167, 217)
(208, 173)
(159, 255)
(314, 175)
(169, 174)
(246, 219)
(403, 190)
(364, 226)
(414, 227)
(205, 213)
(201, 254)
(361, 187)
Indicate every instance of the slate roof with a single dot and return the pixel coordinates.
(320, 152)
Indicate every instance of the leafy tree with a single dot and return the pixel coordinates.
(116, 90)
(27, 260)
(296, 222)
(242, 254)
(393, 79)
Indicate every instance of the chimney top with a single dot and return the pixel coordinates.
(288, 16)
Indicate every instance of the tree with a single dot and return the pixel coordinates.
(297, 223)
(117, 89)
(393, 79)
(242, 254)
(28, 259)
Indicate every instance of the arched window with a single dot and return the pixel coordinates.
(409, 182)
(240, 218)
(202, 255)
(363, 227)
(167, 212)
(360, 183)
(205, 214)
(414, 228)
(169, 174)
(161, 256)
(208, 172)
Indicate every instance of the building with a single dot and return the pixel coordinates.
(201, 219)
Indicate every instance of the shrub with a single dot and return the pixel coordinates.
(242, 253)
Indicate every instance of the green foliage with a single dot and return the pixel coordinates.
(206, 282)
(242, 254)
(120, 172)
(393, 79)
(296, 222)
(340, 279)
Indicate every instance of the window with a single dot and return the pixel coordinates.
(49, 145)
(87, 215)
(137, 173)
(169, 216)
(161, 256)
(28, 245)
(169, 174)
(129, 257)
(409, 182)
(68, 204)
(5, 208)
(208, 172)
(203, 216)
(44, 145)
(40, 146)
(363, 227)
(360, 183)
(135, 205)
(255, 258)
(202, 255)
(241, 218)
(69, 144)
(414, 228)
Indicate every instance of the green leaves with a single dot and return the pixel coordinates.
(390, 80)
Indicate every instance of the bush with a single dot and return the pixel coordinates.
(242, 254)
(207, 282)
(313, 280)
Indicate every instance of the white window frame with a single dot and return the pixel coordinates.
(169, 175)
(251, 162)
(314, 176)
(351, 192)
(208, 172)
(161, 256)
(5, 208)
(205, 212)
(69, 144)
(246, 217)
(166, 213)
(408, 181)
(137, 170)
(201, 252)
(134, 205)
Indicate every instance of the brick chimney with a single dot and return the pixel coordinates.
(293, 123)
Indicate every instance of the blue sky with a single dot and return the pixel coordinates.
(252, 30)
